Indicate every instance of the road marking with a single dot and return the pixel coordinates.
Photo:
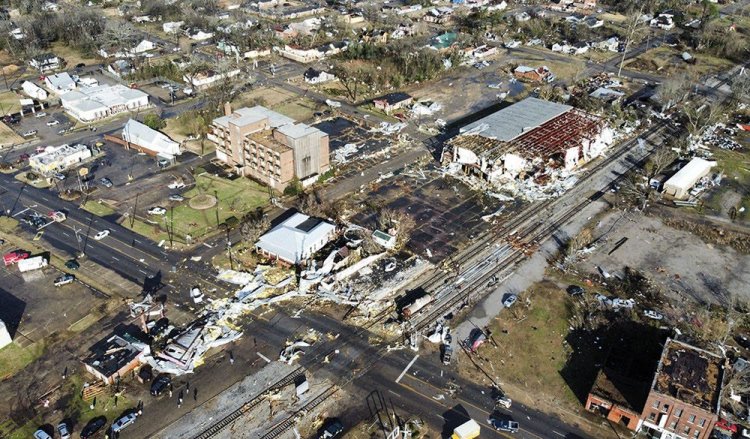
(263, 357)
(66, 234)
(406, 369)
(558, 433)
(394, 393)
(43, 198)
(143, 272)
(208, 245)
(115, 258)
(20, 212)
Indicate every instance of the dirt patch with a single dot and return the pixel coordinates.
(202, 202)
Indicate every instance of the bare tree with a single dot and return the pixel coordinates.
(673, 91)
(699, 117)
(402, 223)
(253, 228)
(659, 161)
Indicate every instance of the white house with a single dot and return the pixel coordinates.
(313, 76)
(300, 55)
(500, 6)
(93, 103)
(17, 33)
(663, 21)
(208, 78)
(610, 44)
(120, 68)
(45, 63)
(150, 140)
(296, 239)
(200, 35)
(143, 47)
(33, 91)
(60, 83)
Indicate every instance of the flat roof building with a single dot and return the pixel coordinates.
(296, 239)
(678, 187)
(59, 158)
(88, 104)
(270, 147)
(149, 140)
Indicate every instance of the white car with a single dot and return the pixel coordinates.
(53, 123)
(40, 115)
(41, 434)
(510, 300)
(101, 235)
(176, 185)
(651, 314)
(503, 401)
(123, 422)
(604, 300)
(157, 210)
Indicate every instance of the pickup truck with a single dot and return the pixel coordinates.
(504, 425)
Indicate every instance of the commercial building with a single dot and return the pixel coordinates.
(269, 147)
(92, 103)
(685, 396)
(532, 139)
(678, 187)
(207, 78)
(113, 358)
(148, 140)
(58, 158)
(295, 239)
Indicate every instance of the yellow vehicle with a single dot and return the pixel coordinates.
(467, 430)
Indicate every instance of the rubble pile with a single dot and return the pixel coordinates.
(719, 136)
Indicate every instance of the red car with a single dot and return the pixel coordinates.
(15, 256)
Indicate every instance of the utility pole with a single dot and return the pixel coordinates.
(171, 226)
(132, 215)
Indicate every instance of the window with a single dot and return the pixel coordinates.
(673, 425)
(678, 413)
(686, 430)
(702, 423)
(696, 433)
(652, 416)
(665, 408)
(691, 419)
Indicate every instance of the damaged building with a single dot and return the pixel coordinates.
(114, 357)
(535, 143)
(685, 396)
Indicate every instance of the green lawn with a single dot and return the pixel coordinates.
(98, 208)
(236, 198)
(298, 109)
(735, 165)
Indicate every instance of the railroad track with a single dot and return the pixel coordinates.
(280, 428)
(499, 261)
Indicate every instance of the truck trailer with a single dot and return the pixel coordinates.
(34, 263)
(467, 430)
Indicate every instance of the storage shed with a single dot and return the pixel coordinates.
(678, 187)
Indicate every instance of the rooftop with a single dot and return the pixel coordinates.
(512, 121)
(53, 154)
(394, 98)
(291, 240)
(690, 374)
(298, 130)
(266, 139)
(106, 95)
(115, 353)
(247, 116)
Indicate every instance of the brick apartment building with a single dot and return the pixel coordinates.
(685, 395)
(269, 147)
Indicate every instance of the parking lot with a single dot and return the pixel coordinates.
(47, 126)
(34, 308)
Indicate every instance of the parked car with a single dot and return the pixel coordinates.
(510, 300)
(11, 258)
(24, 157)
(157, 210)
(575, 290)
(101, 235)
(59, 175)
(72, 264)
(53, 122)
(504, 425)
(447, 354)
(503, 401)
(40, 115)
(333, 429)
(604, 300)
(106, 182)
(80, 65)
(93, 427)
(623, 303)
(41, 434)
(30, 133)
(64, 280)
(123, 422)
(160, 384)
(63, 431)
(176, 197)
(176, 185)
(651, 314)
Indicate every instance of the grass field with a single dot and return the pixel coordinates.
(98, 208)
(735, 166)
(14, 357)
(10, 103)
(235, 199)
(268, 97)
(667, 61)
(71, 56)
(298, 109)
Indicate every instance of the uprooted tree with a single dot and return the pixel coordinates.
(402, 223)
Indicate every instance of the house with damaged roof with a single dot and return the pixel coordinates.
(533, 141)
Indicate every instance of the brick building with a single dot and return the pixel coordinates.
(269, 147)
(685, 396)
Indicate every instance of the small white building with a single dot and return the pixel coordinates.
(678, 187)
(58, 158)
(60, 83)
(171, 27)
(313, 76)
(120, 68)
(200, 35)
(208, 78)
(33, 91)
(143, 47)
(150, 140)
(92, 103)
(296, 239)
(5, 339)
